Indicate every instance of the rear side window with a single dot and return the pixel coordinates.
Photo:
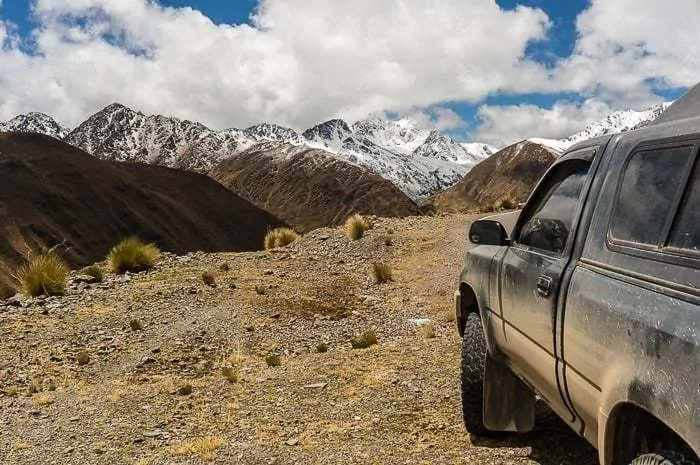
(651, 185)
(686, 229)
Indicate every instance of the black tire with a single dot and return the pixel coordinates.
(665, 458)
(473, 362)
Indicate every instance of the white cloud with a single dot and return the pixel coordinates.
(304, 61)
(504, 125)
(440, 118)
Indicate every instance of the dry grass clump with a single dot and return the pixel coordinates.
(321, 347)
(231, 374)
(367, 339)
(356, 225)
(280, 237)
(95, 271)
(132, 255)
(224, 267)
(508, 204)
(208, 279)
(273, 360)
(43, 399)
(382, 273)
(202, 447)
(45, 274)
(260, 290)
(135, 325)
(83, 358)
(427, 331)
(388, 240)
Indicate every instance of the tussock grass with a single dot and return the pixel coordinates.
(382, 273)
(356, 225)
(280, 237)
(43, 399)
(224, 267)
(208, 279)
(132, 255)
(367, 339)
(45, 274)
(427, 331)
(321, 347)
(273, 360)
(204, 448)
(508, 204)
(95, 271)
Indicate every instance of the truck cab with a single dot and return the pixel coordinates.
(589, 299)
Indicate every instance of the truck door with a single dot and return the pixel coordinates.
(531, 273)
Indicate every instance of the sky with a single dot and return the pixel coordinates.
(480, 70)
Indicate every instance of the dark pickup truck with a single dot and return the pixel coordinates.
(591, 301)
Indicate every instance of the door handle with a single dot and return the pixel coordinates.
(544, 286)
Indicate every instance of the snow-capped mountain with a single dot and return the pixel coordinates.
(35, 122)
(614, 123)
(122, 134)
(267, 132)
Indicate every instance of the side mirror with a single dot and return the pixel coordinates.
(488, 232)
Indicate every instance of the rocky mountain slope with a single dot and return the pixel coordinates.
(39, 123)
(511, 173)
(53, 193)
(614, 123)
(309, 188)
(419, 161)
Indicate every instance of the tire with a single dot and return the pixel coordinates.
(473, 362)
(666, 458)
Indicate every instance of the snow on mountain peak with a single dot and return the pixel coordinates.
(35, 122)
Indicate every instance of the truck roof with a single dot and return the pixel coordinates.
(687, 106)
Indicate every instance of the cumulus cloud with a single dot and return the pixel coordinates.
(302, 61)
(504, 125)
(440, 118)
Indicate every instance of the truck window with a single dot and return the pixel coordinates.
(550, 219)
(649, 189)
(686, 231)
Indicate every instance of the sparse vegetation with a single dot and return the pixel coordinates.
(427, 331)
(45, 274)
(203, 447)
(43, 399)
(136, 325)
(367, 339)
(185, 389)
(356, 225)
(508, 204)
(321, 347)
(260, 290)
(94, 271)
(388, 240)
(132, 255)
(224, 267)
(382, 273)
(273, 360)
(280, 237)
(209, 279)
(231, 374)
(83, 358)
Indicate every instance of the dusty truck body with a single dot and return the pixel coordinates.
(591, 299)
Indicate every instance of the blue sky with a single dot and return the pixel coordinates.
(525, 94)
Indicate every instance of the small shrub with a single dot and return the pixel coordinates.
(45, 274)
(132, 255)
(209, 279)
(43, 399)
(367, 339)
(322, 348)
(204, 448)
(185, 389)
(224, 267)
(135, 325)
(382, 273)
(509, 204)
(95, 271)
(427, 331)
(280, 237)
(273, 360)
(356, 225)
(231, 374)
(10, 391)
(83, 358)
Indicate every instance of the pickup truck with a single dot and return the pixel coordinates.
(590, 299)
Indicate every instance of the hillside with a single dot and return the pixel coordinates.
(51, 193)
(193, 386)
(510, 173)
(310, 188)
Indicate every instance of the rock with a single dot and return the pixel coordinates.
(232, 286)
(268, 272)
(316, 386)
(292, 441)
(185, 390)
(14, 301)
(74, 419)
(152, 434)
(84, 278)
(324, 237)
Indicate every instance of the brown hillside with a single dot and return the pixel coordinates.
(51, 192)
(309, 188)
(509, 173)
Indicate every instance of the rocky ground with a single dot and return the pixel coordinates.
(160, 368)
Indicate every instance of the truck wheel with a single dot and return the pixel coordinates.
(473, 362)
(665, 458)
